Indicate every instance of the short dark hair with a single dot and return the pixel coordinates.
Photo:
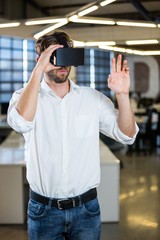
(56, 38)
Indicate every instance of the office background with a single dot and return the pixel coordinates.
(137, 177)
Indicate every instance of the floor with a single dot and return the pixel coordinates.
(139, 202)
(139, 199)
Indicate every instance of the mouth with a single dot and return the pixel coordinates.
(62, 70)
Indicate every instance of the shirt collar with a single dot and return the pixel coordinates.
(74, 86)
(45, 89)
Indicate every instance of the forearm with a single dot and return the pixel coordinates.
(126, 119)
(27, 103)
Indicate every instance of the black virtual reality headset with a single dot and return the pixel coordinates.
(67, 56)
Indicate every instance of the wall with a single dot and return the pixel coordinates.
(145, 74)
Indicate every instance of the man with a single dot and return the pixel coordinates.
(60, 122)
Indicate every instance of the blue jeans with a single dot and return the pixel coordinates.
(50, 223)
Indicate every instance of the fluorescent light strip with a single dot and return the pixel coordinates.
(13, 24)
(50, 29)
(103, 21)
(91, 44)
(106, 2)
(138, 52)
(91, 20)
(151, 53)
(135, 24)
(118, 49)
(78, 43)
(44, 21)
(115, 48)
(130, 51)
(88, 10)
(73, 18)
(137, 42)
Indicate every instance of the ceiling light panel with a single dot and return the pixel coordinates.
(138, 42)
(91, 20)
(135, 24)
(88, 10)
(90, 44)
(130, 51)
(151, 52)
(12, 24)
(50, 29)
(104, 3)
(44, 21)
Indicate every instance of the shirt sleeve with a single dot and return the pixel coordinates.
(14, 119)
(108, 122)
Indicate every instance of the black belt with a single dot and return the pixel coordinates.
(65, 203)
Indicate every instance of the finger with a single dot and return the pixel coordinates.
(48, 51)
(113, 65)
(52, 48)
(127, 70)
(119, 62)
(125, 67)
(109, 80)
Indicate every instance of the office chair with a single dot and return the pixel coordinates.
(147, 136)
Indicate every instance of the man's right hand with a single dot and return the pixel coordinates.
(43, 61)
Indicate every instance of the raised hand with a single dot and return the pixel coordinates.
(119, 79)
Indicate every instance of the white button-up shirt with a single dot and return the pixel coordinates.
(62, 142)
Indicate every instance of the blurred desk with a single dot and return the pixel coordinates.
(14, 186)
(108, 190)
(3, 117)
(5, 129)
(12, 180)
(141, 119)
(146, 140)
(3, 122)
(156, 106)
(140, 111)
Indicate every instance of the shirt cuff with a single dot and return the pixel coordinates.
(18, 123)
(125, 139)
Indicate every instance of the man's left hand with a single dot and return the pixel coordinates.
(119, 79)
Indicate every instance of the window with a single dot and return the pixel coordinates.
(17, 59)
(95, 71)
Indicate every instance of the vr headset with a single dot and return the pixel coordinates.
(67, 56)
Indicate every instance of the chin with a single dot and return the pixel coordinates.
(59, 81)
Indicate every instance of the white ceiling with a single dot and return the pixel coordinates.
(144, 10)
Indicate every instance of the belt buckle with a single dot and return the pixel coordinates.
(60, 203)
